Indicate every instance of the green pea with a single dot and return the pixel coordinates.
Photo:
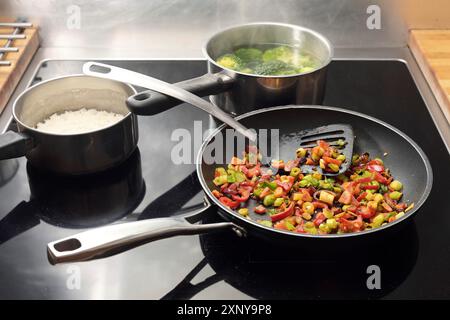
(269, 200)
(278, 202)
(396, 185)
(395, 195)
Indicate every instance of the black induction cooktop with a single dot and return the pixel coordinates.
(36, 208)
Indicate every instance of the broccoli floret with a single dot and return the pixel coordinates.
(249, 54)
(282, 53)
(274, 67)
(230, 61)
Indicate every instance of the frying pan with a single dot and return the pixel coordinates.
(403, 156)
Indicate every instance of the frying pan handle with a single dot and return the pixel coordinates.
(108, 240)
(14, 145)
(149, 102)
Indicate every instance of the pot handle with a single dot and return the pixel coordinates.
(112, 239)
(149, 102)
(14, 144)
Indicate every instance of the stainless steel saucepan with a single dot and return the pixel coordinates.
(239, 92)
(72, 153)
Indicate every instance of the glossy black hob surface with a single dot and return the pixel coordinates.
(36, 208)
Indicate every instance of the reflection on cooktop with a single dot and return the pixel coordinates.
(264, 270)
(91, 200)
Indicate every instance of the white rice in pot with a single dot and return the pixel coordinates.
(78, 121)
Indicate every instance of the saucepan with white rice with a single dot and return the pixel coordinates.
(73, 125)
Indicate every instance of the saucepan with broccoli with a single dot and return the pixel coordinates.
(254, 66)
(277, 60)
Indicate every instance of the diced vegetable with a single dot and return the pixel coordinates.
(260, 209)
(326, 197)
(366, 196)
(378, 220)
(396, 185)
(243, 211)
(269, 200)
(395, 195)
(278, 202)
(228, 202)
(266, 223)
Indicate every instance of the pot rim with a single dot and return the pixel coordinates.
(316, 34)
(34, 130)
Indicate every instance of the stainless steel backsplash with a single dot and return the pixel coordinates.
(186, 24)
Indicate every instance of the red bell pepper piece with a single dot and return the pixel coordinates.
(386, 207)
(217, 194)
(291, 164)
(347, 225)
(280, 225)
(366, 212)
(278, 192)
(265, 192)
(247, 184)
(244, 194)
(378, 177)
(277, 164)
(323, 144)
(256, 170)
(369, 187)
(332, 160)
(318, 204)
(299, 229)
(260, 209)
(375, 168)
(389, 201)
(284, 214)
(346, 197)
(361, 196)
(363, 180)
(229, 203)
(286, 185)
(319, 219)
(355, 202)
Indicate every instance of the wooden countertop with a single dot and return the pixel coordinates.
(10, 75)
(431, 48)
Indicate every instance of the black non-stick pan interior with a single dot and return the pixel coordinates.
(400, 154)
